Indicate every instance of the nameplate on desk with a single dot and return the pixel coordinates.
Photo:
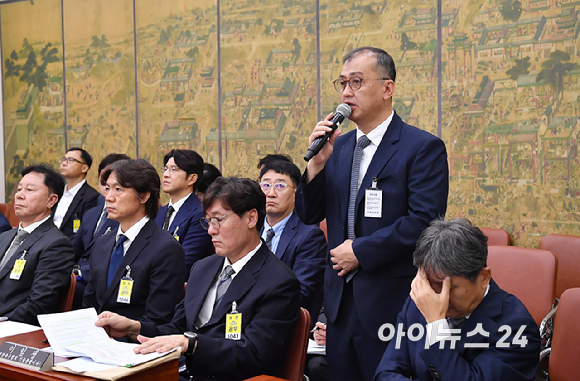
(26, 357)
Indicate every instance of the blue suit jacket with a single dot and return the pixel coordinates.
(267, 295)
(195, 240)
(412, 172)
(4, 224)
(46, 275)
(498, 308)
(83, 241)
(303, 249)
(157, 262)
(85, 199)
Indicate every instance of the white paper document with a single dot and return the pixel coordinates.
(73, 334)
(84, 364)
(69, 328)
(315, 349)
(11, 328)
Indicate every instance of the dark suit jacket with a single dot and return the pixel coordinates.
(85, 199)
(157, 262)
(303, 249)
(195, 240)
(498, 308)
(412, 172)
(267, 295)
(84, 240)
(4, 224)
(46, 275)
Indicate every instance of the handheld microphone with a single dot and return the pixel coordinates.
(342, 112)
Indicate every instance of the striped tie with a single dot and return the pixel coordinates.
(224, 283)
(361, 144)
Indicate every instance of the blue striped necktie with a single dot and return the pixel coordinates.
(361, 144)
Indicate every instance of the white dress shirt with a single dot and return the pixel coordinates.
(65, 201)
(375, 136)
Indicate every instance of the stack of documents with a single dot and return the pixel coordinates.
(74, 334)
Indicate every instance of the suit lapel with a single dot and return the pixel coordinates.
(384, 153)
(184, 212)
(108, 244)
(343, 175)
(26, 245)
(73, 205)
(137, 246)
(241, 284)
(5, 246)
(287, 235)
(203, 283)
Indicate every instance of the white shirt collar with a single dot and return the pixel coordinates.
(179, 203)
(30, 228)
(376, 135)
(134, 230)
(241, 262)
(74, 190)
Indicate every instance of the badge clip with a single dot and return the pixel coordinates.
(125, 288)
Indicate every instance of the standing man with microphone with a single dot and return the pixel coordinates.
(378, 187)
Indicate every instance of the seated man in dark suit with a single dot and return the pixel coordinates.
(78, 196)
(243, 281)
(457, 323)
(95, 223)
(36, 259)
(136, 270)
(301, 247)
(4, 224)
(182, 170)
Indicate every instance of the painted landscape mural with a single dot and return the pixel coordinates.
(236, 80)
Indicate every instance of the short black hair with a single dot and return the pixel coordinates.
(451, 248)
(87, 159)
(274, 157)
(284, 168)
(238, 194)
(52, 179)
(210, 173)
(110, 159)
(385, 63)
(188, 160)
(140, 175)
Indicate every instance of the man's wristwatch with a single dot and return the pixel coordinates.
(192, 337)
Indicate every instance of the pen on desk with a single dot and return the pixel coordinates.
(3, 318)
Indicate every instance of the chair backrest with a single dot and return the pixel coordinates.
(324, 229)
(567, 249)
(8, 211)
(296, 355)
(529, 274)
(66, 299)
(564, 364)
(496, 237)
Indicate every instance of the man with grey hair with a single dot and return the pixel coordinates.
(457, 323)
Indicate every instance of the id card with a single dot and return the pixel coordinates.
(18, 269)
(125, 288)
(234, 324)
(76, 225)
(374, 201)
(175, 234)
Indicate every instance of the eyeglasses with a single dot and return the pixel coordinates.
(355, 83)
(172, 169)
(213, 221)
(69, 160)
(278, 187)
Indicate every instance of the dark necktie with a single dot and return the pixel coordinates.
(224, 282)
(361, 144)
(456, 323)
(116, 258)
(16, 242)
(269, 235)
(104, 216)
(168, 214)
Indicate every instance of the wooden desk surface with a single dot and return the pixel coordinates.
(165, 371)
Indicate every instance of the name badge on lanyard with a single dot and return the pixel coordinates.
(374, 201)
(18, 267)
(76, 224)
(175, 234)
(125, 288)
(234, 323)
